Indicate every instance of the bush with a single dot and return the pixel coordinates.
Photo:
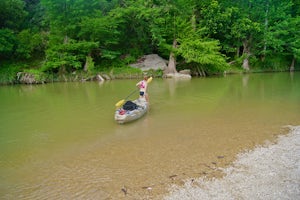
(31, 76)
(8, 73)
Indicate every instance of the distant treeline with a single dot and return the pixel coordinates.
(63, 36)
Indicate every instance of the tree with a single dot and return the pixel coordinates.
(132, 22)
(27, 43)
(175, 31)
(81, 34)
(284, 39)
(165, 27)
(68, 48)
(70, 55)
(12, 14)
(243, 31)
(7, 42)
(284, 33)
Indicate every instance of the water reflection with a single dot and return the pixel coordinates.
(174, 83)
(60, 140)
(245, 80)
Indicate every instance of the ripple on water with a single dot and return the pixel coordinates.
(64, 142)
(270, 171)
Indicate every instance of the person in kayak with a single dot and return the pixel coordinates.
(143, 88)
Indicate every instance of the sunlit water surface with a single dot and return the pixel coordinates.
(60, 141)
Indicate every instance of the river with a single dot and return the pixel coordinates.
(60, 140)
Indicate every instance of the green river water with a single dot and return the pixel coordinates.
(60, 140)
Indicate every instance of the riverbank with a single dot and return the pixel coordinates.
(271, 171)
(22, 73)
(28, 76)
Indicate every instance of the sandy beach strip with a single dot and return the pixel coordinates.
(271, 171)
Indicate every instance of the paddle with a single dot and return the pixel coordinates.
(121, 102)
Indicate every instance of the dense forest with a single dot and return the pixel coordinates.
(60, 37)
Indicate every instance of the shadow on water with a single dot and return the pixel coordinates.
(60, 140)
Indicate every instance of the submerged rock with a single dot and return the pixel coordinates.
(178, 76)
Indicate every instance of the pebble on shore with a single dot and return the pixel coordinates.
(271, 171)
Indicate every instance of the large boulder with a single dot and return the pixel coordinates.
(151, 61)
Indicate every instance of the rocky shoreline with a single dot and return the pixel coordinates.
(152, 65)
(271, 171)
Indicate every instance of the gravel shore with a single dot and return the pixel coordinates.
(267, 172)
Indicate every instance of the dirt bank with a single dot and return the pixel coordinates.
(271, 171)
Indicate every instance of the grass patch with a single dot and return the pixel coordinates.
(123, 72)
(8, 72)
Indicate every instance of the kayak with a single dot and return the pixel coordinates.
(131, 110)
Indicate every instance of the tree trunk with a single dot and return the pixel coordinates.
(88, 62)
(246, 52)
(66, 39)
(172, 61)
(86, 65)
(62, 70)
(246, 64)
(238, 52)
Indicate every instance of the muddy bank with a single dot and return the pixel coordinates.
(271, 171)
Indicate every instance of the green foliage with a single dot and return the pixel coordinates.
(7, 42)
(27, 43)
(61, 60)
(277, 62)
(68, 56)
(123, 71)
(12, 14)
(130, 58)
(215, 18)
(101, 28)
(8, 72)
(285, 37)
(194, 47)
(90, 65)
(111, 55)
(244, 28)
(133, 24)
(202, 52)
(39, 76)
(99, 34)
